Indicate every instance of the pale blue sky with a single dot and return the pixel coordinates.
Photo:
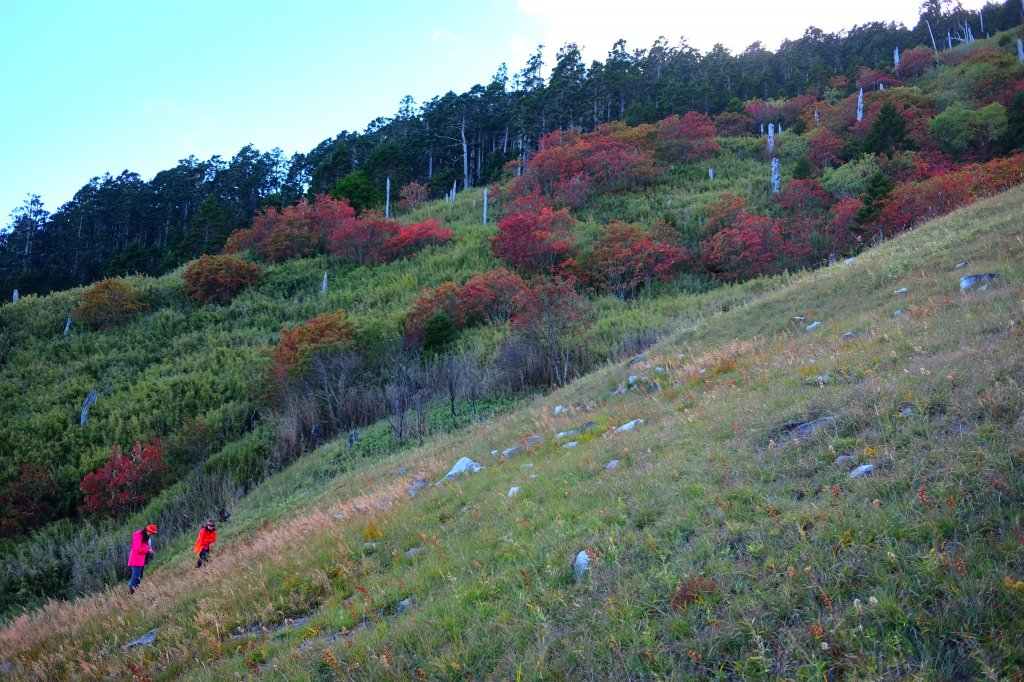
(106, 86)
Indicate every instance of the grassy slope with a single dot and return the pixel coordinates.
(910, 572)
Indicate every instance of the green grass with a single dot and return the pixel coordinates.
(909, 573)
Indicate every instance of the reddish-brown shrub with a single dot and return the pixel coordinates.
(490, 296)
(125, 482)
(109, 302)
(537, 243)
(217, 279)
(298, 344)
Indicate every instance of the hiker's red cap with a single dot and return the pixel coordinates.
(151, 529)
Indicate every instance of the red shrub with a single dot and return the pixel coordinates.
(295, 232)
(687, 138)
(722, 213)
(537, 243)
(745, 249)
(443, 299)
(413, 238)
(824, 149)
(490, 296)
(298, 344)
(124, 483)
(217, 279)
(412, 195)
(913, 63)
(361, 240)
(626, 259)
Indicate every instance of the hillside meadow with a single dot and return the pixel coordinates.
(728, 541)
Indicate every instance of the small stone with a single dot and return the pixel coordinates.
(846, 459)
(513, 491)
(614, 464)
(629, 426)
(813, 325)
(799, 318)
(508, 451)
(849, 335)
(633, 379)
(534, 475)
(570, 432)
(659, 370)
(680, 356)
(862, 470)
(901, 290)
(980, 282)
(404, 604)
(959, 266)
(402, 471)
(559, 409)
(850, 261)
(897, 313)
(411, 552)
(581, 565)
(494, 453)
(570, 444)
(145, 640)
(639, 357)
(587, 425)
(340, 515)
(532, 440)
(528, 465)
(819, 380)
(701, 370)
(370, 547)
(907, 409)
(463, 465)
(620, 390)
(416, 486)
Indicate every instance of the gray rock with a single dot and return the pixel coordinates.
(587, 425)
(614, 464)
(560, 409)
(494, 453)
(620, 390)
(906, 409)
(463, 465)
(897, 313)
(799, 318)
(659, 370)
(959, 266)
(528, 465)
(979, 282)
(412, 551)
(404, 604)
(797, 429)
(581, 565)
(680, 355)
(850, 261)
(846, 459)
(819, 380)
(532, 440)
(402, 471)
(513, 491)
(512, 450)
(901, 290)
(862, 470)
(633, 379)
(370, 547)
(340, 515)
(307, 645)
(813, 325)
(570, 432)
(639, 357)
(629, 426)
(570, 444)
(417, 485)
(146, 640)
(6, 667)
(849, 335)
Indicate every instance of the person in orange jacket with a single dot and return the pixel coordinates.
(207, 536)
(139, 553)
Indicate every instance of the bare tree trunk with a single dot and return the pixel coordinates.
(465, 153)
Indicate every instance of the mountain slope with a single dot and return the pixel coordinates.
(720, 545)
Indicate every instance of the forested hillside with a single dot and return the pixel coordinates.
(529, 240)
(126, 224)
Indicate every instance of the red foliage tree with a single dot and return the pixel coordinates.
(217, 279)
(412, 238)
(687, 138)
(806, 204)
(298, 344)
(109, 302)
(626, 259)
(443, 299)
(722, 213)
(745, 249)
(913, 63)
(125, 482)
(761, 111)
(295, 232)
(869, 78)
(551, 315)
(490, 296)
(842, 230)
(412, 195)
(537, 243)
(824, 148)
(361, 241)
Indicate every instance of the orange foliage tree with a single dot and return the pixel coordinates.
(217, 279)
(109, 302)
(297, 345)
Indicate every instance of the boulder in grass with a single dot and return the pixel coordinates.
(416, 486)
(813, 325)
(846, 459)
(513, 491)
(404, 604)
(797, 429)
(559, 409)
(582, 564)
(146, 640)
(962, 264)
(849, 336)
(566, 434)
(979, 282)
(629, 426)
(901, 290)
(850, 261)
(511, 451)
(462, 466)
(412, 551)
(571, 444)
(862, 470)
(614, 464)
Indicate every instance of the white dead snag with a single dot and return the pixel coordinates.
(387, 197)
(860, 105)
(485, 205)
(771, 138)
(776, 175)
(323, 285)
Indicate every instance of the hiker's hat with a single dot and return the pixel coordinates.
(151, 529)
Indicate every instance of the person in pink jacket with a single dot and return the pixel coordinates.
(140, 551)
